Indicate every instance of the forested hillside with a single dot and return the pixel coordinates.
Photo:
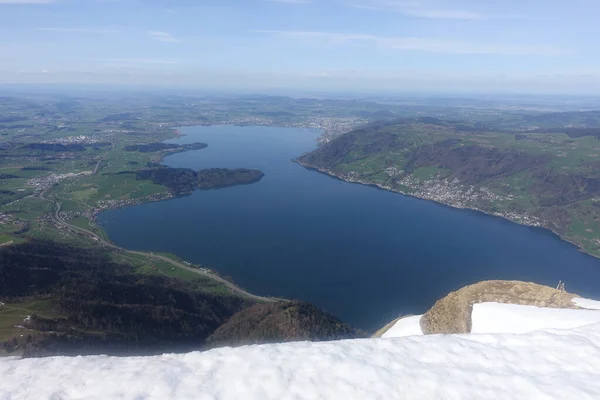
(186, 180)
(281, 322)
(58, 299)
(92, 305)
(214, 178)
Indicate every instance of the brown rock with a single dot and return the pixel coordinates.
(452, 314)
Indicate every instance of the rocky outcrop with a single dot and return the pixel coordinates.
(452, 314)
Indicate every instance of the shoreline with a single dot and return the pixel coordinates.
(108, 205)
(107, 243)
(390, 189)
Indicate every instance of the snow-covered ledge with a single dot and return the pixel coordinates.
(561, 364)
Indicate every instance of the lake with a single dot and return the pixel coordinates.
(363, 254)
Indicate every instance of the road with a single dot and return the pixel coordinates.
(97, 167)
(233, 287)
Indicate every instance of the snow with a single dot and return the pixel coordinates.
(409, 326)
(560, 364)
(513, 352)
(587, 303)
(512, 318)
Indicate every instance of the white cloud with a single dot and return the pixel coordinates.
(419, 9)
(163, 37)
(78, 30)
(442, 14)
(430, 45)
(290, 1)
(136, 61)
(455, 47)
(27, 1)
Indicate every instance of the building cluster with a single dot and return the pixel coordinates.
(331, 126)
(68, 215)
(449, 192)
(46, 182)
(104, 205)
(7, 219)
(184, 122)
(455, 194)
(81, 139)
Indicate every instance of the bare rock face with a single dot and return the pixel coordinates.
(452, 314)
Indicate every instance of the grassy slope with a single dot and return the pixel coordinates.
(13, 314)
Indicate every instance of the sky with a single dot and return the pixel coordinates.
(525, 46)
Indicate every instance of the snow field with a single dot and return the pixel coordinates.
(561, 364)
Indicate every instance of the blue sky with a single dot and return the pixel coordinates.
(538, 46)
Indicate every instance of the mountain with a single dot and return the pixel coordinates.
(545, 179)
(280, 322)
(61, 299)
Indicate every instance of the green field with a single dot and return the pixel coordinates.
(13, 315)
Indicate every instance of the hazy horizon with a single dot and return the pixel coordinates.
(91, 89)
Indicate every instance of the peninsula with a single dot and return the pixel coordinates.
(186, 180)
(215, 178)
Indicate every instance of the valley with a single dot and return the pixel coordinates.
(128, 186)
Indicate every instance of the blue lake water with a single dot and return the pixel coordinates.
(363, 254)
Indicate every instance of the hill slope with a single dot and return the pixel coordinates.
(73, 300)
(539, 179)
(58, 299)
(280, 322)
